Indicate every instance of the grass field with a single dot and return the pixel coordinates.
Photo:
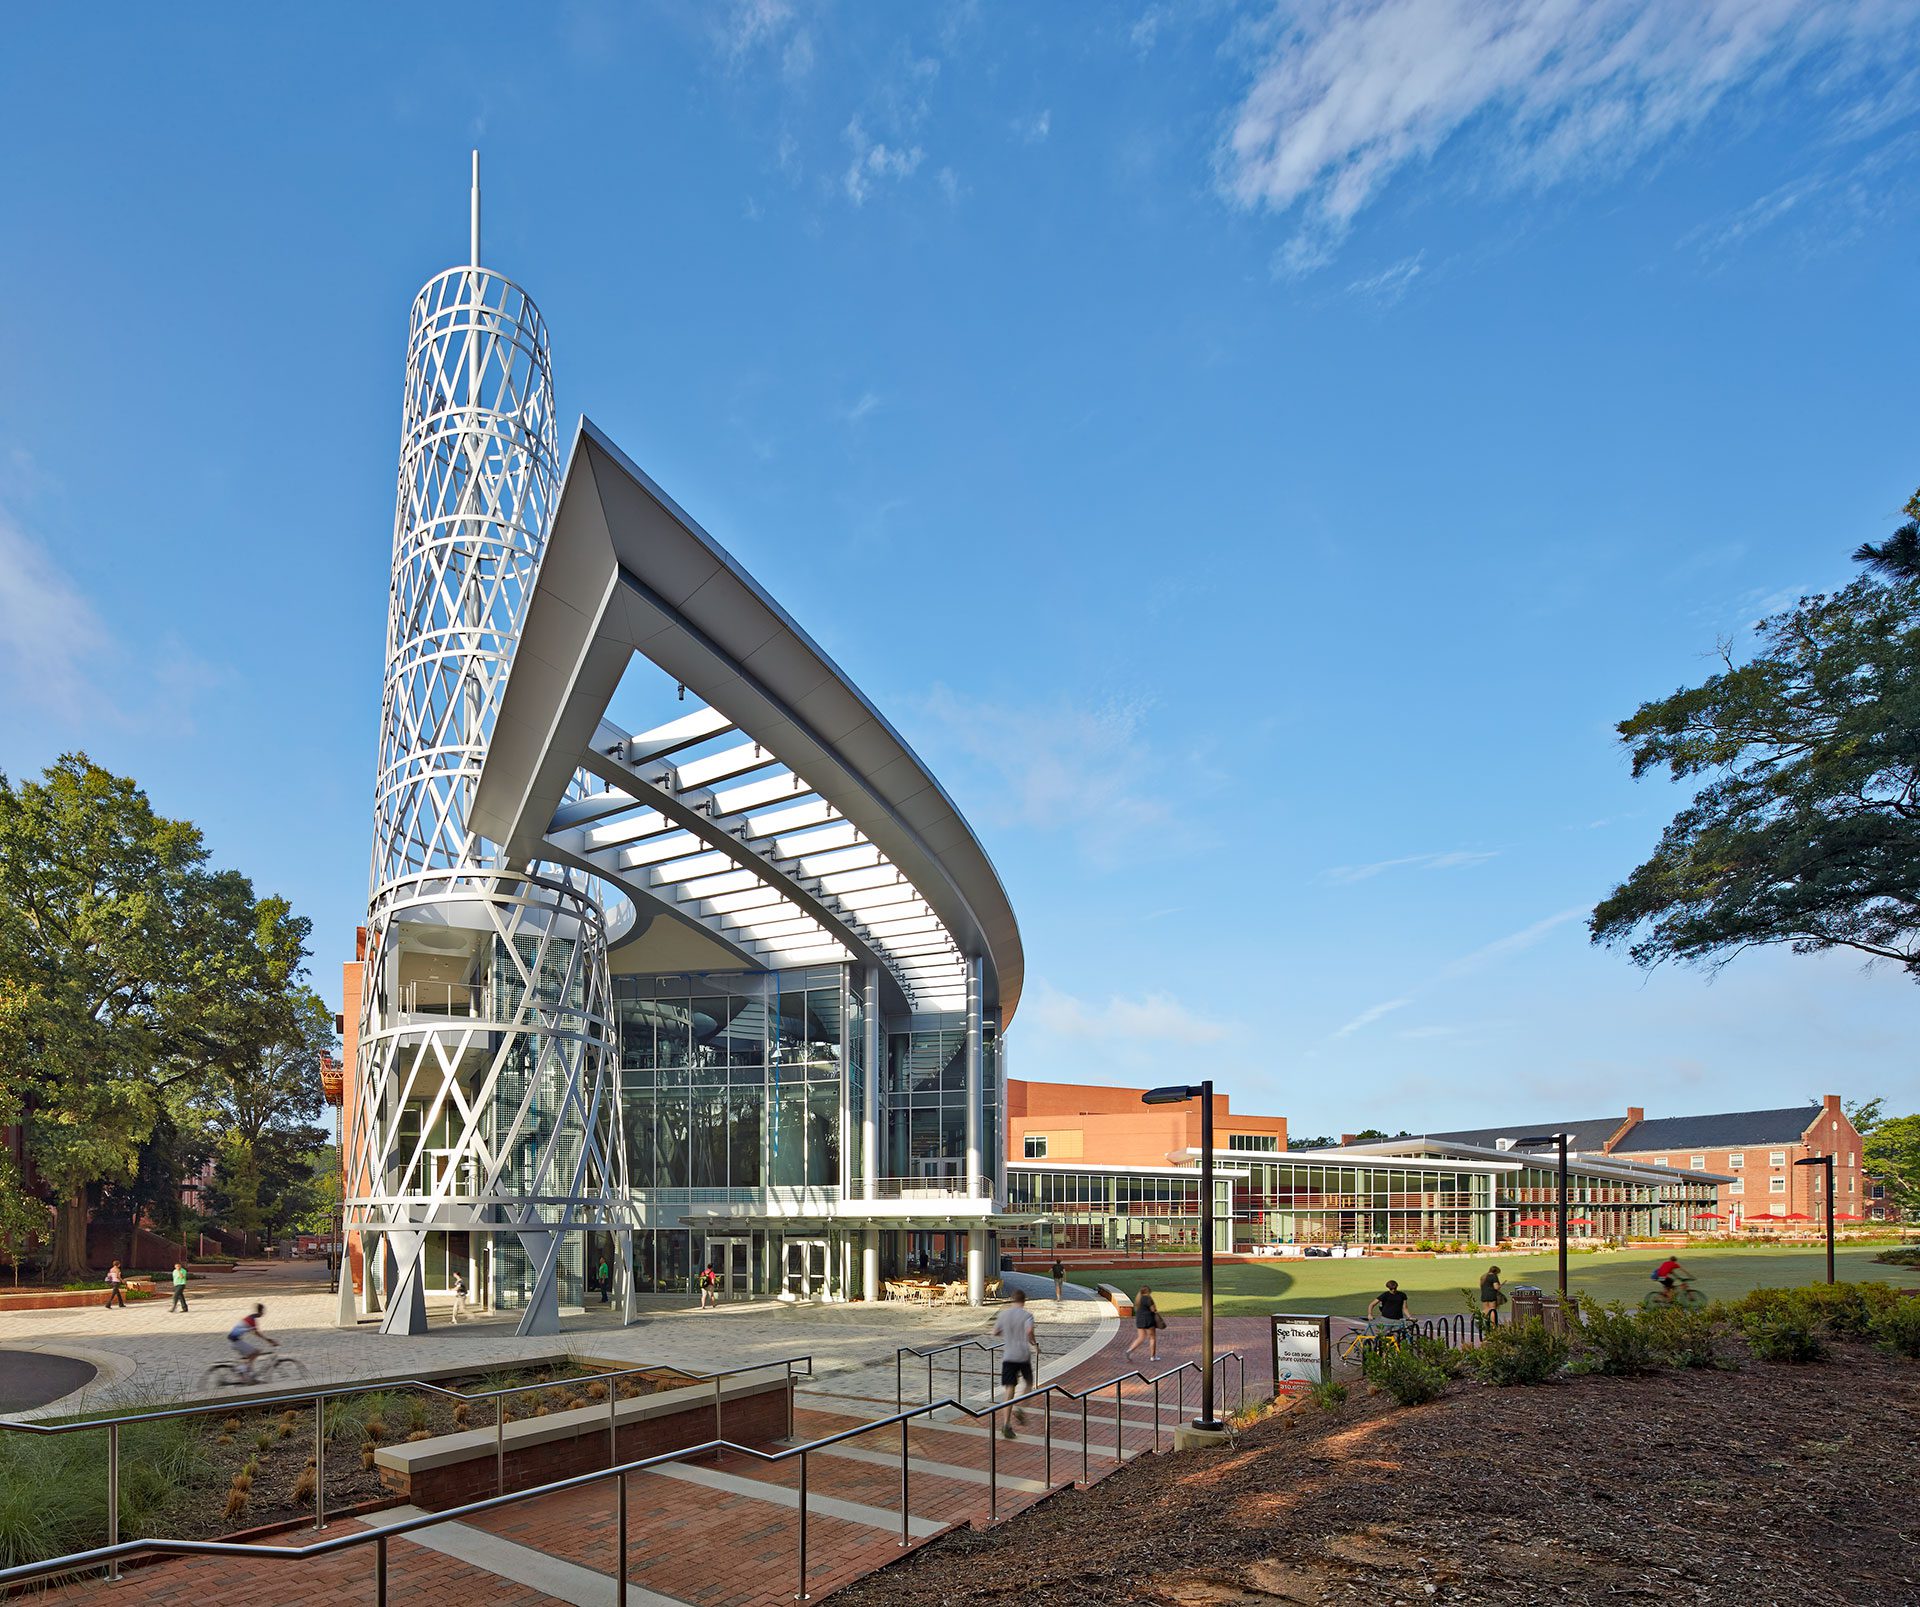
(1344, 1287)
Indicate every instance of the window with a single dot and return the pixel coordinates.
(1776, 1185)
(1265, 1143)
(1850, 1188)
(1699, 1163)
(1736, 1160)
(1035, 1146)
(1777, 1158)
(1736, 1187)
(1659, 1160)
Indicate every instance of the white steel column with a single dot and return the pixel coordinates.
(976, 1237)
(870, 1132)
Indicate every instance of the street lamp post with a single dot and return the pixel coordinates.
(1827, 1162)
(1559, 1139)
(1179, 1096)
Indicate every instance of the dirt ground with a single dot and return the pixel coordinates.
(1772, 1484)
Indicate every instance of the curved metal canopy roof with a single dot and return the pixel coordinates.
(778, 820)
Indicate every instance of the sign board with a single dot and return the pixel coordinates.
(1302, 1351)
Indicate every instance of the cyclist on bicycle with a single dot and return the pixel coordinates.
(1668, 1273)
(248, 1343)
(1389, 1307)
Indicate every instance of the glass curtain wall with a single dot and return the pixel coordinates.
(731, 1091)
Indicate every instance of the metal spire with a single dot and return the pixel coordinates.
(473, 252)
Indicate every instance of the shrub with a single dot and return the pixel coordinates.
(1782, 1334)
(1683, 1338)
(1844, 1308)
(1436, 1352)
(1897, 1328)
(1623, 1342)
(1520, 1353)
(1403, 1373)
(1905, 1255)
(1328, 1394)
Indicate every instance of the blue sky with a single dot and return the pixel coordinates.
(1255, 454)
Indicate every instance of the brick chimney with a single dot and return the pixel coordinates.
(1635, 1116)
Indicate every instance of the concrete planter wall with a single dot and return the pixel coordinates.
(451, 1469)
(54, 1299)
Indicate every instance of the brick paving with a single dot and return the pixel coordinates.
(720, 1547)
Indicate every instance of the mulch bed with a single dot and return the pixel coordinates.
(275, 1495)
(1772, 1484)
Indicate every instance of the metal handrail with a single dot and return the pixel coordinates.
(958, 1346)
(318, 1398)
(112, 1554)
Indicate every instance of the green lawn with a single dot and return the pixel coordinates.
(1343, 1287)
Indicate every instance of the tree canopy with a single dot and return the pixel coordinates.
(1805, 829)
(131, 975)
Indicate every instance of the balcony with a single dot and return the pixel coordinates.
(461, 1000)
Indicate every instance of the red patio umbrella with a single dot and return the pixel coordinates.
(1534, 1222)
(1578, 1222)
(1708, 1216)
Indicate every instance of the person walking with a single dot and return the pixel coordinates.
(606, 1282)
(116, 1286)
(1059, 1275)
(1492, 1296)
(459, 1296)
(1013, 1327)
(709, 1287)
(1147, 1323)
(179, 1287)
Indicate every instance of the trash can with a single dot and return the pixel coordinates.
(1553, 1312)
(1527, 1300)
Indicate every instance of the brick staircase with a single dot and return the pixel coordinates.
(724, 1531)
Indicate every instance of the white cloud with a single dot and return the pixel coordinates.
(1157, 1016)
(1146, 29)
(1512, 943)
(1342, 875)
(60, 658)
(756, 22)
(874, 163)
(1500, 948)
(1371, 1014)
(1064, 767)
(1389, 284)
(1034, 129)
(52, 639)
(870, 402)
(1347, 93)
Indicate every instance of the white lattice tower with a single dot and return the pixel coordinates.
(503, 1113)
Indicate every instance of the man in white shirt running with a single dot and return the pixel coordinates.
(1014, 1329)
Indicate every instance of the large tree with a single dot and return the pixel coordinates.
(1805, 829)
(263, 1110)
(127, 970)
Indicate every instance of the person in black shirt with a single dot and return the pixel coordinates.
(1390, 1305)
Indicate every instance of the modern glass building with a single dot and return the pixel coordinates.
(1398, 1192)
(676, 955)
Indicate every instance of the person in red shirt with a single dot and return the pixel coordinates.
(1666, 1273)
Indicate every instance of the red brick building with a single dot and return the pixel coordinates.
(1756, 1148)
(1759, 1148)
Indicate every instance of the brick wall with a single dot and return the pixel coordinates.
(1801, 1188)
(756, 1419)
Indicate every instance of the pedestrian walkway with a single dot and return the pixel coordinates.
(725, 1531)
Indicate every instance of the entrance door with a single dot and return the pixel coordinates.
(805, 1268)
(732, 1262)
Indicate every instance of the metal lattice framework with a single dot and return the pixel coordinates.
(488, 1102)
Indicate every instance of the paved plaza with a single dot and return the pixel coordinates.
(716, 1532)
(147, 1354)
